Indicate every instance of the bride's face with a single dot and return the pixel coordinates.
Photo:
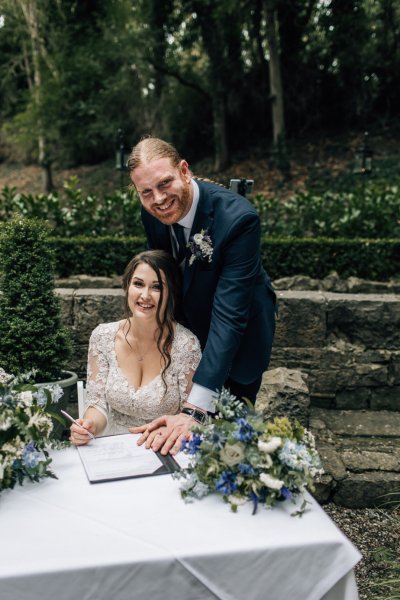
(144, 292)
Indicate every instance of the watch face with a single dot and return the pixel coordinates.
(199, 416)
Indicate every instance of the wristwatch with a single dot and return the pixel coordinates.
(196, 414)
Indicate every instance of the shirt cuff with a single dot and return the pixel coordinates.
(202, 397)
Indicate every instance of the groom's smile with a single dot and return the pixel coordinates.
(165, 191)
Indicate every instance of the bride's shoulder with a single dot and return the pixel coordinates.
(184, 336)
(104, 331)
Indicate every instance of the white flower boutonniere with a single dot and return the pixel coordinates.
(200, 245)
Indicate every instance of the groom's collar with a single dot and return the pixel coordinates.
(188, 219)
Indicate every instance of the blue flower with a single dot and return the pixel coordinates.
(246, 469)
(245, 432)
(286, 494)
(218, 438)
(30, 456)
(192, 446)
(226, 483)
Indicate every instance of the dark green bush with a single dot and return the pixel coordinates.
(95, 256)
(74, 213)
(31, 331)
(369, 259)
(368, 212)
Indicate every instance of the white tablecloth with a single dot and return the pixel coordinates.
(67, 539)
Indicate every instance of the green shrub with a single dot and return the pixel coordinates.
(31, 332)
(74, 213)
(369, 259)
(370, 212)
(95, 256)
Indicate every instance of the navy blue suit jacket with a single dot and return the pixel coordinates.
(228, 303)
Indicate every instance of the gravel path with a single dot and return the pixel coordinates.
(376, 533)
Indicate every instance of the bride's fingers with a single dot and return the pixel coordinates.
(155, 439)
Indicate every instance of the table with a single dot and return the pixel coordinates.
(124, 540)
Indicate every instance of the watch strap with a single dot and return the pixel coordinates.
(196, 414)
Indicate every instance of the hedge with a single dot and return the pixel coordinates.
(368, 259)
(376, 260)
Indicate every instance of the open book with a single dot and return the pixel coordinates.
(119, 457)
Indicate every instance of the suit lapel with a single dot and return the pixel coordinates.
(203, 219)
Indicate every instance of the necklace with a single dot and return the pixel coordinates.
(140, 355)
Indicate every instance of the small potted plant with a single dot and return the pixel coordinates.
(32, 336)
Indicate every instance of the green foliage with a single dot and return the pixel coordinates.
(31, 332)
(366, 212)
(74, 213)
(368, 259)
(95, 256)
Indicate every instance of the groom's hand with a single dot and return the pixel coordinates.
(172, 431)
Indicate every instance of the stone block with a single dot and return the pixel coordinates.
(371, 320)
(323, 489)
(92, 307)
(349, 423)
(385, 398)
(370, 489)
(359, 461)
(355, 399)
(302, 320)
(283, 392)
(394, 368)
(332, 462)
(65, 297)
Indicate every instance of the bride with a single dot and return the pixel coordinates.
(141, 367)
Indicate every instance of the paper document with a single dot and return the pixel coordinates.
(119, 457)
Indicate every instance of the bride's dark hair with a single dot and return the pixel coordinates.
(161, 262)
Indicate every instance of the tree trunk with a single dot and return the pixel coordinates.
(275, 77)
(279, 152)
(221, 158)
(30, 12)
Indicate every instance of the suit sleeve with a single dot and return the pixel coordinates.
(240, 257)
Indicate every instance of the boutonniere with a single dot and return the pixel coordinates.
(200, 245)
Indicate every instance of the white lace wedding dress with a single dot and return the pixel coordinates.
(123, 406)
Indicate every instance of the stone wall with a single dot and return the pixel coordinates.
(347, 344)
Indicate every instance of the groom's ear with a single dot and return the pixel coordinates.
(184, 169)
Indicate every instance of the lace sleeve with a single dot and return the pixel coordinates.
(189, 355)
(97, 372)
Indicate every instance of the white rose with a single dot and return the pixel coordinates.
(232, 454)
(270, 446)
(197, 238)
(26, 398)
(271, 482)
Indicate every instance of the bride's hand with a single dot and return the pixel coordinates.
(79, 436)
(149, 438)
(167, 433)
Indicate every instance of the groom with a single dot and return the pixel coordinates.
(228, 301)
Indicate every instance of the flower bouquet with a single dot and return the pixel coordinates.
(25, 428)
(243, 457)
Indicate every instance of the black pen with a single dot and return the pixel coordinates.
(76, 423)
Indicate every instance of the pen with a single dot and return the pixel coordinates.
(76, 423)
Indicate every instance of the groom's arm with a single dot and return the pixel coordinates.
(241, 265)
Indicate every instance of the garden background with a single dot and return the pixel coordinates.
(279, 91)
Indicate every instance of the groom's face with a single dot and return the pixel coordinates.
(164, 190)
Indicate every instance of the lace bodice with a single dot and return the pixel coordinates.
(123, 406)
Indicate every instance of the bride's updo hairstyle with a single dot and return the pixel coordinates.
(162, 263)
